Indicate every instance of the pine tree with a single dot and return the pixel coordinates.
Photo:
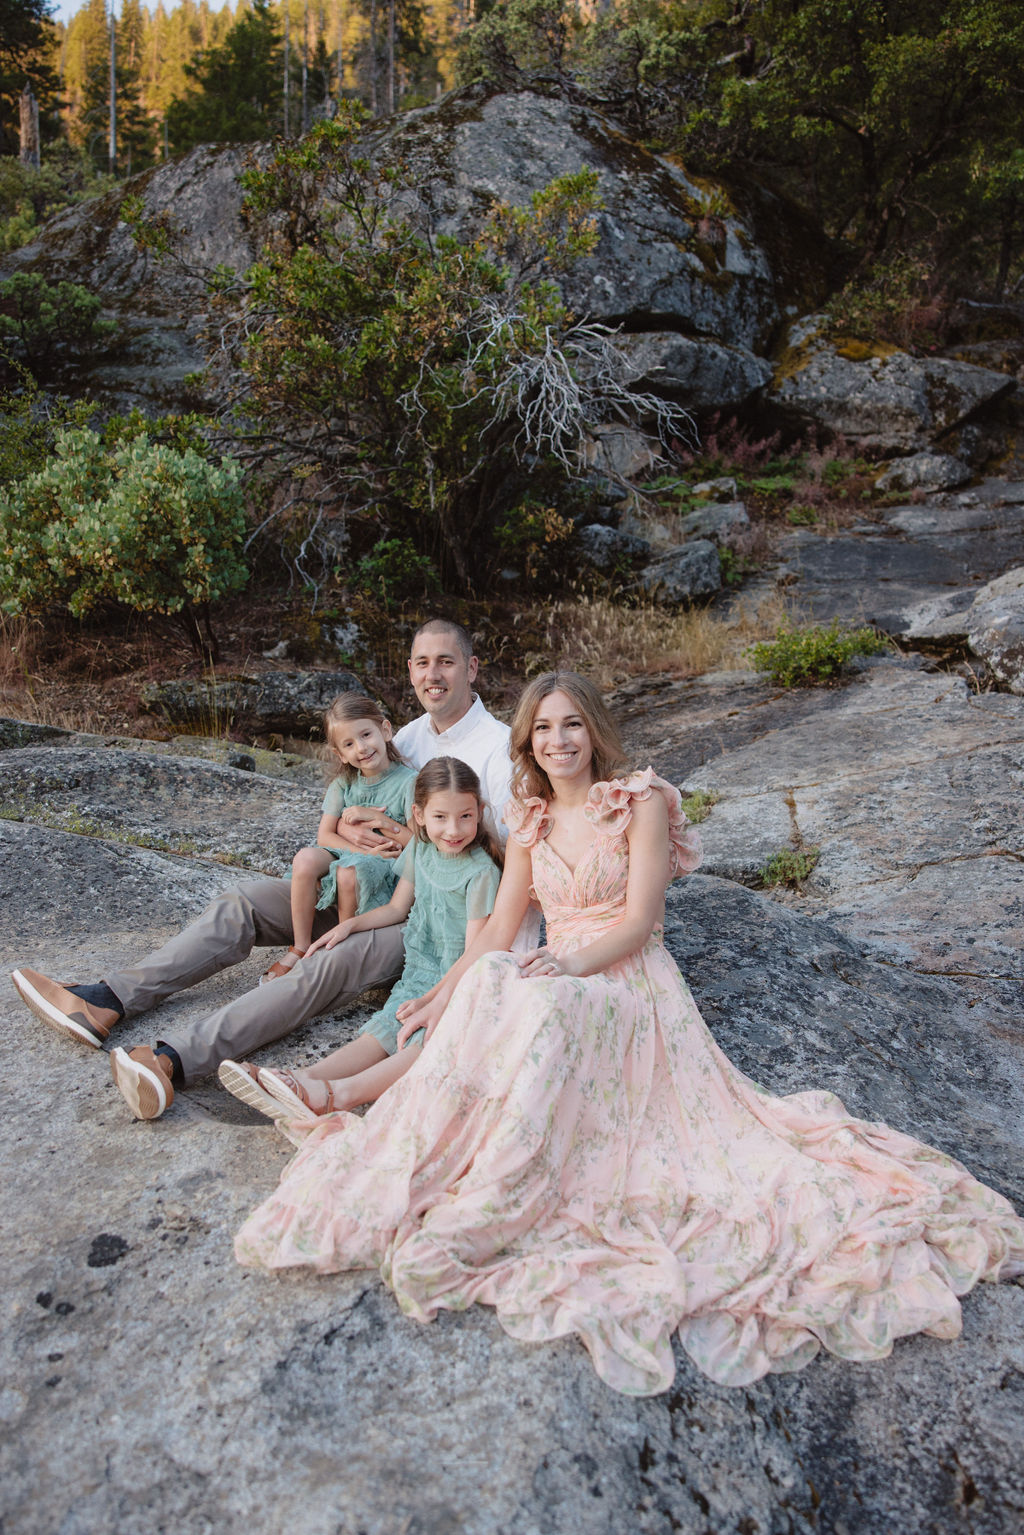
(236, 87)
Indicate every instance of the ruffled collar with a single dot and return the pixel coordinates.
(609, 810)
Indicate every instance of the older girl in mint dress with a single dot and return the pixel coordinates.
(447, 879)
(573, 1149)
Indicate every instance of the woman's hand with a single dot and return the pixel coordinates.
(542, 962)
(332, 937)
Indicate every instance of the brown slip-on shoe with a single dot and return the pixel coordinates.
(143, 1079)
(62, 1010)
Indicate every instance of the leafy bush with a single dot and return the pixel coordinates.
(698, 805)
(393, 571)
(28, 197)
(791, 866)
(532, 535)
(402, 375)
(813, 654)
(37, 317)
(157, 530)
(897, 301)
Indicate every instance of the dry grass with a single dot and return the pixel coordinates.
(611, 643)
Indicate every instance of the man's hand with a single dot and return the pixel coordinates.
(370, 829)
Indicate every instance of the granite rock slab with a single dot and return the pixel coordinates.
(910, 785)
(149, 1382)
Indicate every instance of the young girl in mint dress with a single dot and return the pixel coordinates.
(447, 879)
(573, 1149)
(372, 776)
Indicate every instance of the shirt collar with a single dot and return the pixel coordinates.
(462, 727)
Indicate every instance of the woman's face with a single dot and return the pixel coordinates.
(560, 741)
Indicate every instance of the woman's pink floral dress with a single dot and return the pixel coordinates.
(580, 1155)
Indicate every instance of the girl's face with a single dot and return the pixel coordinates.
(561, 742)
(363, 745)
(449, 819)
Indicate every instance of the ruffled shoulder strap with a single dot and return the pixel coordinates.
(527, 820)
(610, 808)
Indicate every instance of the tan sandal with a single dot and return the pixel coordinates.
(242, 1080)
(290, 1092)
(282, 966)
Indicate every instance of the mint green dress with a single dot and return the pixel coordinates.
(449, 891)
(375, 876)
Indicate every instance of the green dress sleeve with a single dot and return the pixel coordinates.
(481, 891)
(404, 865)
(336, 798)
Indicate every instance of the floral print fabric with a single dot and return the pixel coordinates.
(579, 1154)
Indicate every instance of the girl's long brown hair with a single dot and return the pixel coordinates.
(609, 755)
(443, 775)
(345, 709)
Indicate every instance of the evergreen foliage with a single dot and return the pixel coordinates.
(402, 377)
(236, 88)
(38, 320)
(151, 527)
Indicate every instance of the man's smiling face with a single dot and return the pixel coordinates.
(442, 677)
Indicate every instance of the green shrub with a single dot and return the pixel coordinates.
(37, 318)
(698, 805)
(813, 654)
(394, 571)
(791, 866)
(143, 525)
(533, 536)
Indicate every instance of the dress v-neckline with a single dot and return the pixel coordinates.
(570, 869)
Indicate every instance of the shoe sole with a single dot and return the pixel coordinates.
(285, 1099)
(141, 1088)
(240, 1085)
(48, 1014)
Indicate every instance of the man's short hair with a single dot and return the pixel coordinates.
(446, 626)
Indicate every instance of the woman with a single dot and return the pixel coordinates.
(575, 1150)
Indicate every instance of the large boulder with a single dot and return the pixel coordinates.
(158, 305)
(268, 703)
(924, 471)
(703, 374)
(660, 257)
(662, 262)
(878, 398)
(684, 574)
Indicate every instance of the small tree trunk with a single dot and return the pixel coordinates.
(29, 128)
(392, 92)
(374, 93)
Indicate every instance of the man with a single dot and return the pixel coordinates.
(442, 669)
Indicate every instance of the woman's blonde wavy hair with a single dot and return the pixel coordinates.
(609, 755)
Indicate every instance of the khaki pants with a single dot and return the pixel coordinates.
(254, 915)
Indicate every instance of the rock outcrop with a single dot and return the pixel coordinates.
(879, 398)
(132, 1331)
(989, 621)
(701, 284)
(267, 703)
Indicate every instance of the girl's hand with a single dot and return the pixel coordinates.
(541, 962)
(332, 937)
(422, 1013)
